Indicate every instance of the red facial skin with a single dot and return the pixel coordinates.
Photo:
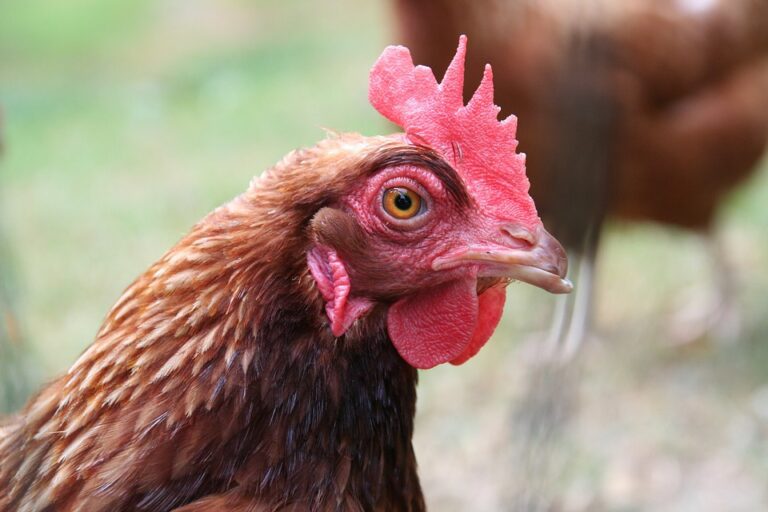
(409, 248)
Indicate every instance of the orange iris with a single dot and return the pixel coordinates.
(401, 203)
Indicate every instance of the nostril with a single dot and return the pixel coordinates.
(519, 234)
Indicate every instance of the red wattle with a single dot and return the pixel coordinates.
(435, 325)
(491, 307)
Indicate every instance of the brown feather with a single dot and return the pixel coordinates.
(216, 382)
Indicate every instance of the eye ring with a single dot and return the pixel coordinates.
(402, 203)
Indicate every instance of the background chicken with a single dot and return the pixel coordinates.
(267, 361)
(646, 109)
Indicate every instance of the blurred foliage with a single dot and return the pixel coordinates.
(128, 120)
(54, 32)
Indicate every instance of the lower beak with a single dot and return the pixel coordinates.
(542, 262)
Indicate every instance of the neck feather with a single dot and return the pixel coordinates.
(216, 371)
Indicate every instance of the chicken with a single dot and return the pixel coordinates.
(268, 361)
(647, 110)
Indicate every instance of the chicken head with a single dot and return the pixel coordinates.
(442, 223)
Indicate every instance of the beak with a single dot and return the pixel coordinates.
(532, 257)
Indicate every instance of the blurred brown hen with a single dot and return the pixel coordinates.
(643, 109)
(268, 361)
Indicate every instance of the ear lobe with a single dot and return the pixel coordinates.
(334, 285)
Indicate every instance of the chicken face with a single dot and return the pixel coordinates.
(442, 222)
(423, 225)
(413, 236)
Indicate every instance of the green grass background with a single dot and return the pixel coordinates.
(127, 120)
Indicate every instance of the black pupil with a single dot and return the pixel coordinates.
(402, 201)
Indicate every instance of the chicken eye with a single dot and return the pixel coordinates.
(401, 203)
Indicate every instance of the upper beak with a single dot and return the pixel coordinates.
(535, 258)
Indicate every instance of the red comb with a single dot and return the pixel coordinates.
(470, 137)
